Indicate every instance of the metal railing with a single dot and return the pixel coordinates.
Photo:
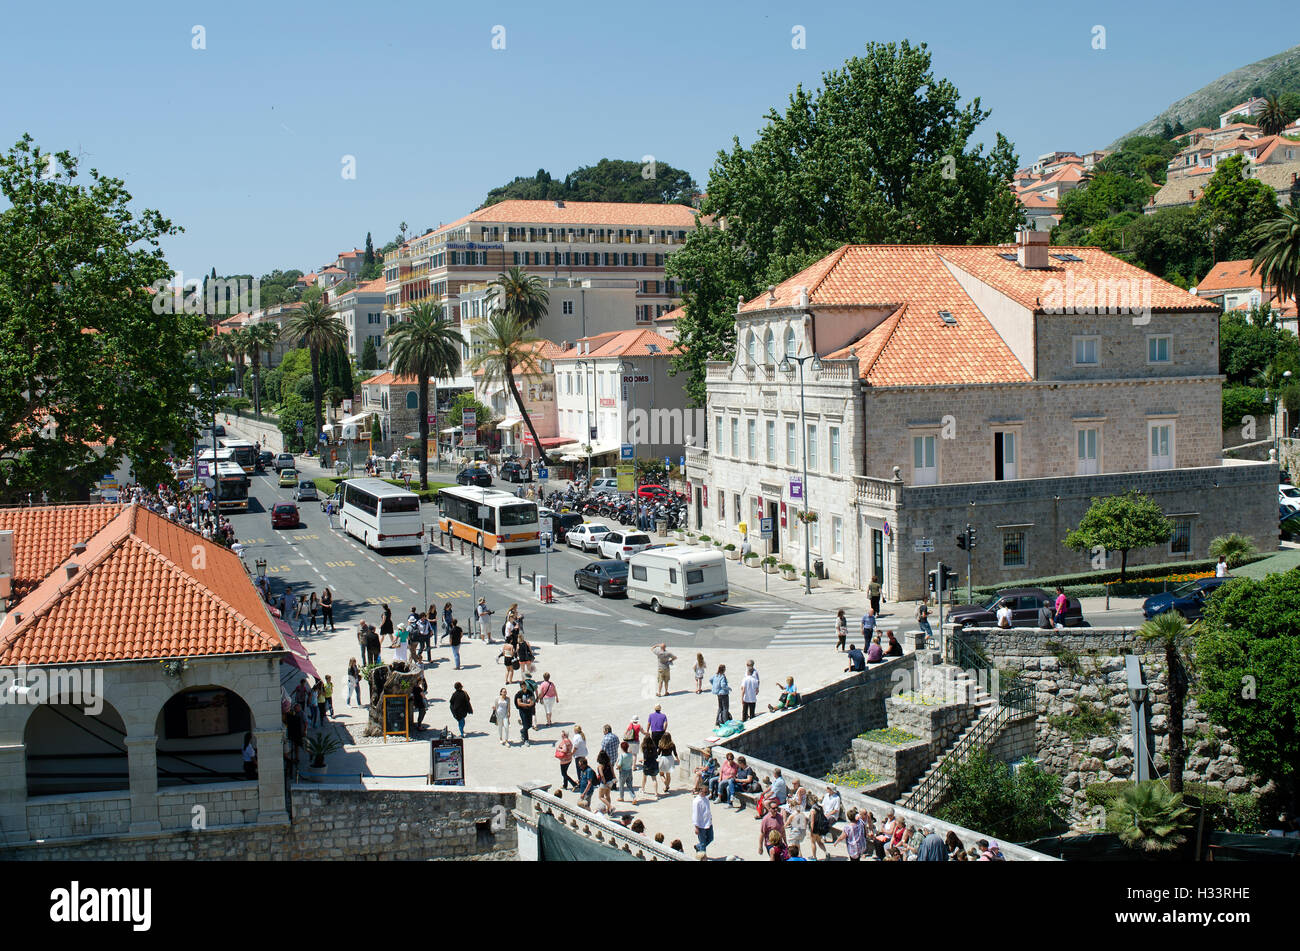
(966, 655)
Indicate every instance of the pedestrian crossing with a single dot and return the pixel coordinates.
(806, 629)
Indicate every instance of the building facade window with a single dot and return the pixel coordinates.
(833, 438)
(789, 445)
(751, 439)
(751, 346)
(735, 438)
(1004, 456)
(790, 348)
(1013, 549)
(837, 536)
(735, 506)
(1180, 543)
(1158, 348)
(811, 431)
(1160, 445)
(925, 467)
(1085, 351)
(769, 347)
(771, 441)
(1087, 451)
(566, 307)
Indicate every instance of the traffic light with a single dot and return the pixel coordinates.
(961, 541)
(971, 539)
(478, 570)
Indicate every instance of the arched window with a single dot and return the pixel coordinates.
(752, 347)
(412, 401)
(769, 346)
(790, 345)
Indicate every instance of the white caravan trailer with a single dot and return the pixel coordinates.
(677, 577)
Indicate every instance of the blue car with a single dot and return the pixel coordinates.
(1188, 600)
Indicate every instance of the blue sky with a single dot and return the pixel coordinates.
(243, 143)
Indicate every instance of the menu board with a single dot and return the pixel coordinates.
(396, 718)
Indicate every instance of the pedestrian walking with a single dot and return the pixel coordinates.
(327, 608)
(658, 723)
(626, 763)
(249, 752)
(923, 619)
(873, 594)
(868, 625)
(702, 820)
(586, 781)
(321, 701)
(386, 623)
(300, 612)
(605, 781)
(501, 717)
(748, 695)
(579, 742)
(313, 609)
(403, 639)
(841, 629)
(526, 704)
(484, 620)
(649, 763)
(372, 645)
(667, 761)
(721, 690)
(609, 742)
(564, 753)
(549, 696)
(664, 660)
(329, 694)
(354, 681)
(454, 638)
(447, 620)
(509, 661)
(699, 670)
(460, 707)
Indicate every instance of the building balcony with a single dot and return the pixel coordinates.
(871, 491)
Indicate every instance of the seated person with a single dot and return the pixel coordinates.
(894, 649)
(1045, 617)
(1004, 615)
(707, 775)
(723, 786)
(856, 661)
(874, 654)
(789, 697)
(746, 780)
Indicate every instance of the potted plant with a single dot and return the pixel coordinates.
(319, 745)
(706, 541)
(787, 571)
(812, 579)
(751, 559)
(733, 554)
(690, 538)
(771, 564)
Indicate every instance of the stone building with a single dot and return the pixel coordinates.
(1001, 387)
(135, 656)
(395, 400)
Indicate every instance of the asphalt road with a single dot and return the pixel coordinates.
(315, 555)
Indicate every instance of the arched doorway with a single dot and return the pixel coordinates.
(72, 750)
(200, 737)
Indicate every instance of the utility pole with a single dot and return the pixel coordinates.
(940, 576)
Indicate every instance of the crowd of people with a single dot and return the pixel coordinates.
(182, 504)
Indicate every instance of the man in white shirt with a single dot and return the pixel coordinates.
(702, 819)
(1221, 569)
(484, 624)
(748, 694)
(1004, 615)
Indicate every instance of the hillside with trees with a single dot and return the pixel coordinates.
(607, 180)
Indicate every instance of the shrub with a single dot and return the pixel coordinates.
(1016, 805)
(1233, 547)
(1147, 816)
(853, 779)
(770, 560)
(786, 566)
(729, 547)
(890, 736)
(1092, 719)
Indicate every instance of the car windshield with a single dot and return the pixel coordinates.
(399, 503)
(616, 569)
(993, 603)
(1190, 587)
(597, 529)
(284, 508)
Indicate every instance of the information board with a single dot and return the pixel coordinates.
(397, 720)
(447, 761)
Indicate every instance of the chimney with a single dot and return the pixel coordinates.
(79, 548)
(1191, 194)
(1031, 249)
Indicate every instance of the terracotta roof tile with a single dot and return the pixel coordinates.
(44, 536)
(387, 379)
(622, 343)
(146, 588)
(519, 210)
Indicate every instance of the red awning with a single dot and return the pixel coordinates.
(548, 441)
(298, 657)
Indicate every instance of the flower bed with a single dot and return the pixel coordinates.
(852, 780)
(889, 735)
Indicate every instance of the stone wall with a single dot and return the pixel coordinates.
(1084, 668)
(105, 813)
(939, 724)
(814, 736)
(264, 431)
(328, 823)
(899, 764)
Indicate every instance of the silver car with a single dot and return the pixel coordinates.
(306, 491)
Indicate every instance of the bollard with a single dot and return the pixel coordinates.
(557, 635)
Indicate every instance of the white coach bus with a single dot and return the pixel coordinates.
(381, 515)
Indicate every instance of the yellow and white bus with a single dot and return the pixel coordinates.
(488, 518)
(242, 452)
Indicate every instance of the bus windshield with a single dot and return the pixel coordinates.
(513, 515)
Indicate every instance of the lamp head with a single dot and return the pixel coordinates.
(785, 366)
(1138, 694)
(816, 364)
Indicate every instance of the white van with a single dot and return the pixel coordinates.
(677, 577)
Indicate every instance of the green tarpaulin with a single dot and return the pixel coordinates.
(555, 843)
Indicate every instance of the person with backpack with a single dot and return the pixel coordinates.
(460, 707)
(721, 690)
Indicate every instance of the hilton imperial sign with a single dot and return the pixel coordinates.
(474, 246)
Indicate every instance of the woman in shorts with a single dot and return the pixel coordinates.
(649, 762)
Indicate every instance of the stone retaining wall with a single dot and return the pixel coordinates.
(900, 764)
(328, 823)
(1083, 668)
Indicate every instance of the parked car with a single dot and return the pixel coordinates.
(285, 515)
(515, 472)
(585, 536)
(651, 491)
(475, 475)
(1188, 600)
(218, 430)
(603, 577)
(288, 478)
(336, 498)
(1289, 528)
(604, 485)
(1024, 604)
(622, 545)
(306, 491)
(561, 522)
(265, 458)
(1288, 496)
(285, 460)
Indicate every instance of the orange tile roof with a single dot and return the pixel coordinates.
(520, 210)
(622, 343)
(44, 536)
(677, 313)
(542, 349)
(333, 270)
(386, 378)
(1227, 275)
(1039, 201)
(138, 594)
(376, 286)
(309, 278)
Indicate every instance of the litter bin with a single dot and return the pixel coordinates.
(661, 526)
(819, 569)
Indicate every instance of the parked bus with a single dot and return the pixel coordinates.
(232, 486)
(242, 452)
(677, 577)
(381, 515)
(222, 455)
(488, 518)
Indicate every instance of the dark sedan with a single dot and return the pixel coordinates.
(603, 577)
(1024, 604)
(1289, 528)
(475, 475)
(561, 522)
(1188, 600)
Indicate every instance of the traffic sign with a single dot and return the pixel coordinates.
(300, 425)
(923, 545)
(210, 482)
(202, 472)
(592, 434)
(681, 463)
(636, 377)
(887, 529)
(765, 528)
(627, 451)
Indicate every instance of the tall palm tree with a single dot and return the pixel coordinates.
(1277, 254)
(316, 326)
(1149, 816)
(1233, 547)
(262, 336)
(509, 346)
(426, 345)
(522, 296)
(1273, 119)
(239, 348)
(1170, 632)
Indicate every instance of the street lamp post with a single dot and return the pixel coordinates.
(803, 440)
(584, 366)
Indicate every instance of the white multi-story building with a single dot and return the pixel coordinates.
(361, 311)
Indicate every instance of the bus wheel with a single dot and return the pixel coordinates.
(479, 541)
(655, 606)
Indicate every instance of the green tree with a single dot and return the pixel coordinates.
(1120, 523)
(427, 345)
(1251, 342)
(261, 336)
(369, 259)
(1018, 806)
(1150, 816)
(1105, 195)
(84, 357)
(1170, 634)
(880, 154)
(1244, 403)
(1248, 673)
(1273, 119)
(1172, 243)
(294, 410)
(607, 180)
(1290, 106)
(1234, 548)
(509, 347)
(1277, 253)
(1233, 207)
(369, 356)
(523, 296)
(316, 327)
(485, 419)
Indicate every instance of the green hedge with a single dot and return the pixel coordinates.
(1237, 812)
(327, 486)
(1091, 584)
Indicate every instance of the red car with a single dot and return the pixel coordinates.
(285, 515)
(652, 492)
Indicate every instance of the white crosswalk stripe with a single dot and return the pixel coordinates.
(805, 629)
